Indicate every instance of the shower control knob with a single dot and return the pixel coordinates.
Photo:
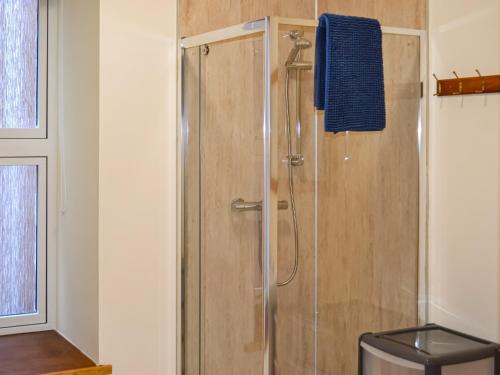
(240, 205)
(297, 159)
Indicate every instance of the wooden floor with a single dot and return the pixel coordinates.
(39, 353)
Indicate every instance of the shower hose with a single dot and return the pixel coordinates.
(291, 185)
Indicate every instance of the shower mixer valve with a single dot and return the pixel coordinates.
(297, 159)
(240, 205)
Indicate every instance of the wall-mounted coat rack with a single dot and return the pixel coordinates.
(467, 85)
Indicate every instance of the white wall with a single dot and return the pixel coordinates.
(137, 202)
(77, 281)
(464, 261)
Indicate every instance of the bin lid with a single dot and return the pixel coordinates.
(432, 345)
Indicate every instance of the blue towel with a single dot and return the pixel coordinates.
(349, 73)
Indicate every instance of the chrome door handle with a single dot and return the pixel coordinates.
(240, 205)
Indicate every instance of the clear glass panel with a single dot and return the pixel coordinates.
(295, 337)
(368, 194)
(222, 265)
(18, 63)
(18, 239)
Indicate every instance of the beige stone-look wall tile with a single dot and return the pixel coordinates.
(397, 13)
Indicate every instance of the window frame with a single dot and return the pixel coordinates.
(42, 57)
(39, 146)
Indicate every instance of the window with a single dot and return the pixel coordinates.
(26, 154)
(22, 226)
(23, 62)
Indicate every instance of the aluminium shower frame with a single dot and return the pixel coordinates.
(269, 28)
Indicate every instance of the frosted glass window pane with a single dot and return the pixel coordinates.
(18, 238)
(18, 63)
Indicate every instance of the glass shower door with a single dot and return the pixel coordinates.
(223, 88)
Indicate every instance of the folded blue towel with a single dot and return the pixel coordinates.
(349, 73)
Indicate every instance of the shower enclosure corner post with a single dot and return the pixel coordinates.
(179, 209)
(423, 251)
(270, 201)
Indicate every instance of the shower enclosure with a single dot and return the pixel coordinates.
(294, 241)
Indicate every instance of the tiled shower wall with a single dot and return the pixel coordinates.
(198, 16)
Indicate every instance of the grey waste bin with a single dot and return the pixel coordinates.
(427, 350)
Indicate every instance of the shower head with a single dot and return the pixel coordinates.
(300, 44)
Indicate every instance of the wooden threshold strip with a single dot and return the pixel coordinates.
(96, 370)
